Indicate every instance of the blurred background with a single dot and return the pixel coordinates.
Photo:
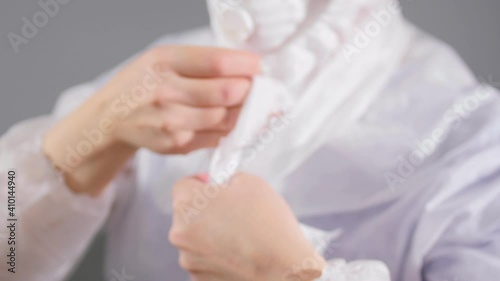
(86, 38)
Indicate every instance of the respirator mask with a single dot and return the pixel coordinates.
(309, 80)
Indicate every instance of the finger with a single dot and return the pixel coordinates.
(152, 133)
(194, 61)
(193, 263)
(200, 140)
(229, 121)
(178, 117)
(184, 190)
(203, 177)
(203, 276)
(205, 92)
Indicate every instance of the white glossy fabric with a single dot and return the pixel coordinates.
(297, 77)
(433, 219)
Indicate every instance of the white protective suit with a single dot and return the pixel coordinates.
(383, 143)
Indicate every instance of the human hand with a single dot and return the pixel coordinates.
(194, 102)
(171, 100)
(246, 232)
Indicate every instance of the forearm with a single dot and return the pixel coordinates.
(83, 147)
(54, 225)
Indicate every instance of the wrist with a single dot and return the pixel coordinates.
(84, 148)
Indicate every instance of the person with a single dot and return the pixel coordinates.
(391, 155)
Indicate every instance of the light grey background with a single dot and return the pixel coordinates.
(86, 38)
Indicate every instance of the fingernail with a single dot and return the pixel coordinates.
(202, 177)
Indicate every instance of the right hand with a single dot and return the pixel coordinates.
(195, 96)
(171, 100)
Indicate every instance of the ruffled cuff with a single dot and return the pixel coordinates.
(55, 225)
(361, 270)
(21, 151)
(339, 269)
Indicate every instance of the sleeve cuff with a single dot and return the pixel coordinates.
(21, 150)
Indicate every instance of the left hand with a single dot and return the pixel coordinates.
(245, 232)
